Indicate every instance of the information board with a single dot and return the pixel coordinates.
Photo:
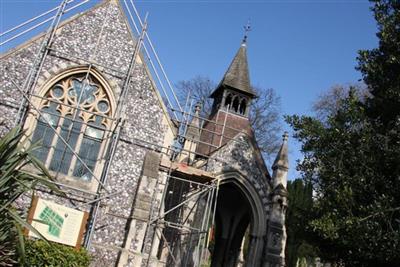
(56, 222)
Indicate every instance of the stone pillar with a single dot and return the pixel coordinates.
(276, 235)
(146, 195)
(255, 251)
(192, 136)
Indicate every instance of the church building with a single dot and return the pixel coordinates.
(147, 182)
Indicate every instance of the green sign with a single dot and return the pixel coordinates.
(53, 220)
(56, 222)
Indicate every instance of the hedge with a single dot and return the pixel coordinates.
(50, 254)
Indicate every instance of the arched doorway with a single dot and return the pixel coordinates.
(232, 219)
(238, 208)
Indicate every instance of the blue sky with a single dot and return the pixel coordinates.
(299, 48)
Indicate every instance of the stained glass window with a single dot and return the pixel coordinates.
(78, 108)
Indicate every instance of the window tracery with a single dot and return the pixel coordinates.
(236, 103)
(79, 109)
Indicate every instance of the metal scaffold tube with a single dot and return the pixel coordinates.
(59, 136)
(75, 109)
(169, 104)
(31, 79)
(191, 217)
(189, 238)
(158, 60)
(15, 36)
(120, 121)
(30, 20)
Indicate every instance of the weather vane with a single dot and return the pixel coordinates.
(247, 28)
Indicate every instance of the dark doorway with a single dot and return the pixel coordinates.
(232, 219)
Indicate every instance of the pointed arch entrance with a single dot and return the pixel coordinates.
(238, 208)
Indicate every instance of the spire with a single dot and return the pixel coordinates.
(237, 75)
(192, 136)
(282, 160)
(193, 131)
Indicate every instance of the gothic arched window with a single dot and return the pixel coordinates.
(79, 109)
(228, 101)
(242, 108)
(235, 104)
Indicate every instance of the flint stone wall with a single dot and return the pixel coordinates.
(238, 155)
(75, 44)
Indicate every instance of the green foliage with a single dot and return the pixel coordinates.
(381, 66)
(356, 208)
(353, 158)
(15, 181)
(302, 262)
(298, 215)
(41, 253)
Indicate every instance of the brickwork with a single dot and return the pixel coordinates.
(122, 235)
(213, 130)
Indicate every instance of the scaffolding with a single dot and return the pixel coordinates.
(180, 224)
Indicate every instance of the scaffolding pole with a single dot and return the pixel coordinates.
(38, 24)
(207, 192)
(31, 79)
(203, 199)
(120, 116)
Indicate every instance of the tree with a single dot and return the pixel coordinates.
(356, 207)
(352, 158)
(15, 180)
(264, 113)
(381, 66)
(265, 120)
(298, 215)
(328, 102)
(198, 88)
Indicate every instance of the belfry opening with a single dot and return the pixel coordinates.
(153, 183)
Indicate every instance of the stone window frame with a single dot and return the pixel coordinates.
(38, 100)
(236, 103)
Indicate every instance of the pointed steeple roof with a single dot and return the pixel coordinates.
(193, 130)
(237, 75)
(282, 159)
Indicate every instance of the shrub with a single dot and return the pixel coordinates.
(42, 253)
(14, 182)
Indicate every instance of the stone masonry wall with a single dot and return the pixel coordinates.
(76, 43)
(238, 155)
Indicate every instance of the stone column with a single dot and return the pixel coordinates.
(276, 236)
(145, 198)
(255, 251)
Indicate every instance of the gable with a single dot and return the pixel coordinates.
(100, 36)
(242, 155)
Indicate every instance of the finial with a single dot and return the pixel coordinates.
(285, 136)
(281, 160)
(247, 29)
